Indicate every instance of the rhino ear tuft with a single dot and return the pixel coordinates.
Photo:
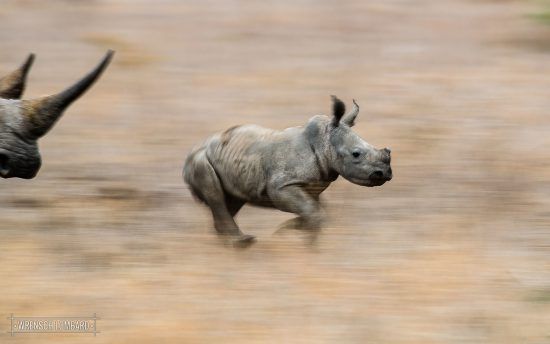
(13, 84)
(338, 110)
(349, 119)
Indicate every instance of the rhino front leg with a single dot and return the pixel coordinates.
(296, 200)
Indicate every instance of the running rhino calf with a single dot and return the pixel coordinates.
(285, 169)
(23, 122)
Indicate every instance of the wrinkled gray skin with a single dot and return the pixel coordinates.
(285, 169)
(23, 122)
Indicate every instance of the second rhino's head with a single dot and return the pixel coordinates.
(23, 122)
(349, 155)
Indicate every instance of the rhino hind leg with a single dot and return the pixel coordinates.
(233, 204)
(207, 186)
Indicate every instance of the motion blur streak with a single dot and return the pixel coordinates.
(454, 250)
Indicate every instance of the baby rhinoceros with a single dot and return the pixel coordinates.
(285, 169)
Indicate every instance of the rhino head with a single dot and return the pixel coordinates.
(352, 157)
(23, 122)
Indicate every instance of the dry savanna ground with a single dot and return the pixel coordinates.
(455, 249)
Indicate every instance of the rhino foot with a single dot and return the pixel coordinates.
(296, 223)
(244, 240)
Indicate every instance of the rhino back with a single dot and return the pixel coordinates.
(246, 157)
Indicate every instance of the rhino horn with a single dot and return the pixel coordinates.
(41, 114)
(13, 84)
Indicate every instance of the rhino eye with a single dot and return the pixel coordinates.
(356, 154)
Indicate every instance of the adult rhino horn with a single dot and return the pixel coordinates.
(41, 114)
(349, 119)
(13, 84)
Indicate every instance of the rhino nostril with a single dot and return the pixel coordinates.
(385, 157)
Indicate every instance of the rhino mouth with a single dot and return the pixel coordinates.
(376, 178)
(4, 167)
(368, 182)
(375, 182)
(379, 177)
(25, 170)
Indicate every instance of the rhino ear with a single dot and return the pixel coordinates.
(338, 110)
(349, 119)
(40, 114)
(13, 84)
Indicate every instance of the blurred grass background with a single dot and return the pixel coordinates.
(455, 249)
(543, 13)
